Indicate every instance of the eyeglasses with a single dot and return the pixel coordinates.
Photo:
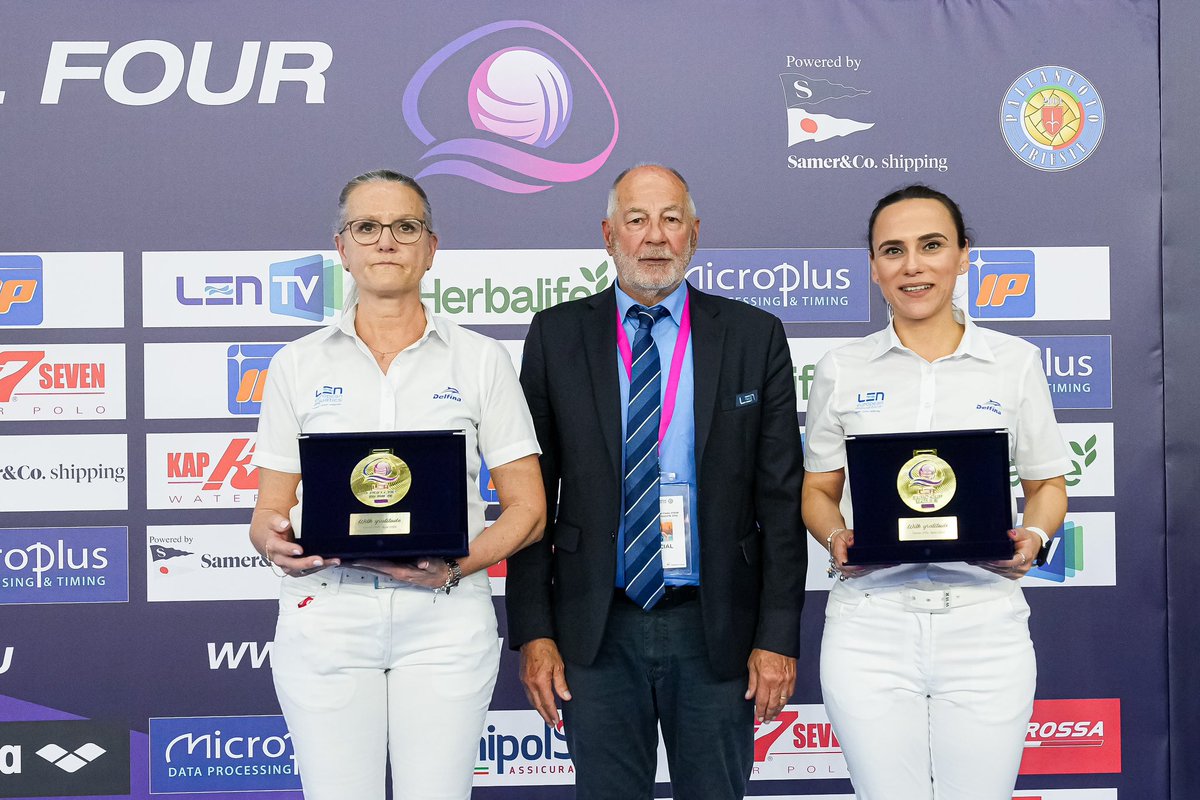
(368, 231)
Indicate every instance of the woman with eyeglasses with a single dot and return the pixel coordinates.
(373, 660)
(927, 670)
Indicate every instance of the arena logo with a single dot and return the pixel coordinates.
(52, 382)
(818, 285)
(1052, 118)
(246, 371)
(20, 290)
(68, 758)
(64, 565)
(221, 754)
(209, 470)
(161, 67)
(520, 98)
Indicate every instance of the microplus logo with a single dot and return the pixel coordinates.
(221, 754)
(1078, 369)
(64, 565)
(817, 285)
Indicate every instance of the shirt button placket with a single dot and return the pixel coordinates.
(928, 391)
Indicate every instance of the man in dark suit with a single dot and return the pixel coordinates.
(668, 587)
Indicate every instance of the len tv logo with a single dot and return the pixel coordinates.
(309, 288)
(1066, 555)
(246, 367)
(20, 290)
(1002, 284)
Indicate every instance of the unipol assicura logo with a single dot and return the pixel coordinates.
(519, 102)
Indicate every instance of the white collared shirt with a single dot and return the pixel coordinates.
(877, 385)
(449, 379)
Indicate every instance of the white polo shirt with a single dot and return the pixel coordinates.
(449, 379)
(877, 385)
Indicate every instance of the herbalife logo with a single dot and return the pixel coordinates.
(1066, 555)
(1085, 454)
(68, 761)
(493, 295)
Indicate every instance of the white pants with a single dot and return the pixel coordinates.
(929, 702)
(362, 671)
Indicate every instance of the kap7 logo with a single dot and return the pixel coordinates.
(62, 382)
(63, 758)
(20, 290)
(247, 371)
(239, 288)
(200, 470)
(1073, 737)
(1043, 283)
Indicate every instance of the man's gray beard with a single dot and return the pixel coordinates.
(634, 276)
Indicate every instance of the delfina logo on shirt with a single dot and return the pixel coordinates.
(1073, 737)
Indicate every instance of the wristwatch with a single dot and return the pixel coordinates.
(455, 576)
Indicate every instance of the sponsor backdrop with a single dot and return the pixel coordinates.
(170, 175)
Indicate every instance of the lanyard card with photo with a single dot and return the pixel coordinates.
(675, 518)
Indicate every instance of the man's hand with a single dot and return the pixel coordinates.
(772, 681)
(544, 679)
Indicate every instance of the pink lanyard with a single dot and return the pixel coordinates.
(681, 342)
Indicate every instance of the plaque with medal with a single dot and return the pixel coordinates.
(390, 494)
(930, 496)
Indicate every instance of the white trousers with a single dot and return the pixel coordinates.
(927, 701)
(362, 672)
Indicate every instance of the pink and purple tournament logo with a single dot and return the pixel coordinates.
(511, 123)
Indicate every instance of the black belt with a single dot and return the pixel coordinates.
(672, 596)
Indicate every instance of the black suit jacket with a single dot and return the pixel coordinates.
(749, 470)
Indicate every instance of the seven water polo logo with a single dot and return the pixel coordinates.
(1052, 118)
(221, 754)
(55, 381)
(804, 94)
(799, 743)
(64, 565)
(21, 290)
(522, 100)
(70, 758)
(246, 368)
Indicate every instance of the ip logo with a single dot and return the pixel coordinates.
(246, 366)
(1066, 555)
(487, 489)
(20, 290)
(1002, 284)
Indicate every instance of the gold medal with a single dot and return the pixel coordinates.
(381, 479)
(926, 483)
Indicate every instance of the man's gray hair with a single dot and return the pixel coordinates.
(612, 193)
(382, 176)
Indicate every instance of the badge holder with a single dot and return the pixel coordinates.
(675, 518)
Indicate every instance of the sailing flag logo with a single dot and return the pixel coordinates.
(802, 94)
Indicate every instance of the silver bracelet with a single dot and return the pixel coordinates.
(833, 565)
(453, 578)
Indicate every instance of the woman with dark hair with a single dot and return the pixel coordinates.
(365, 662)
(929, 703)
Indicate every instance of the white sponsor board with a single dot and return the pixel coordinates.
(805, 355)
(510, 286)
(88, 472)
(1036, 283)
(200, 470)
(206, 380)
(241, 288)
(77, 290)
(205, 562)
(1024, 794)
(1093, 462)
(1084, 554)
(62, 381)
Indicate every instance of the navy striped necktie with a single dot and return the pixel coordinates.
(643, 534)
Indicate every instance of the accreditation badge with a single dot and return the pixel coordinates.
(675, 520)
